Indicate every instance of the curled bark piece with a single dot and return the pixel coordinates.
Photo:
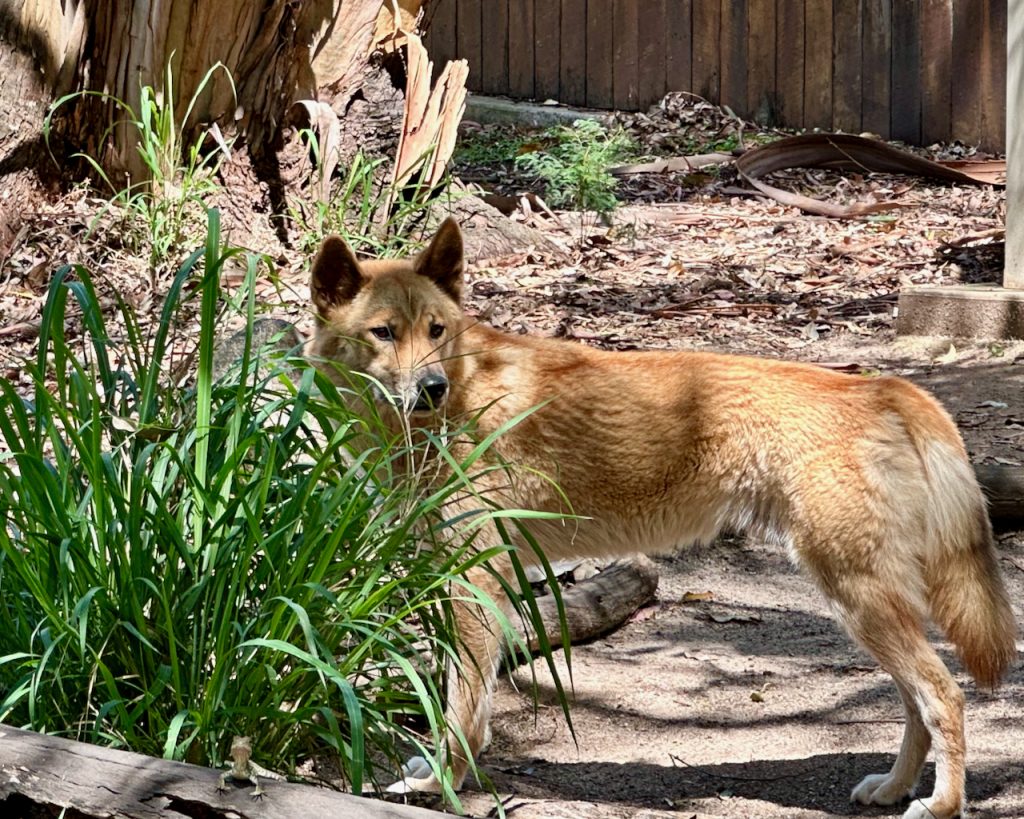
(845, 152)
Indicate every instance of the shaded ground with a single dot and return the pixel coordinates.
(664, 716)
(667, 725)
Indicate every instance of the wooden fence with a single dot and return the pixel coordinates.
(915, 70)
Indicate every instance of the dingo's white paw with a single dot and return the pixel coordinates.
(416, 776)
(881, 789)
(930, 809)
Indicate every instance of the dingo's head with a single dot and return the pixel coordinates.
(395, 320)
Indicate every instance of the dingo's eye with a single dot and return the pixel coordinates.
(382, 333)
(436, 330)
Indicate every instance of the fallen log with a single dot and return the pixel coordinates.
(1004, 488)
(600, 603)
(45, 775)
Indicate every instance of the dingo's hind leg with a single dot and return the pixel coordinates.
(890, 627)
(901, 782)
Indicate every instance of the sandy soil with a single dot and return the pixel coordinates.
(752, 704)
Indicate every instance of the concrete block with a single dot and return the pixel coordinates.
(495, 110)
(962, 311)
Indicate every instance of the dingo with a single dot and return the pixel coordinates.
(866, 481)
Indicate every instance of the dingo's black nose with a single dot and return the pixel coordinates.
(432, 391)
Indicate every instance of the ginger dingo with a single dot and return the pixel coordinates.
(866, 481)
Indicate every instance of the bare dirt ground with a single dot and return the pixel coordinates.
(752, 702)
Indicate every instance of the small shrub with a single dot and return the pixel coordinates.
(575, 166)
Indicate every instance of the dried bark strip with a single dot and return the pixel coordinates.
(90, 780)
(432, 118)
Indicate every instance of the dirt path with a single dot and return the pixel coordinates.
(667, 724)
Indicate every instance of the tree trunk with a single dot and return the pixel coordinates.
(25, 91)
(270, 51)
(275, 53)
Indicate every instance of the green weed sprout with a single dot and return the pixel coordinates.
(574, 168)
(167, 209)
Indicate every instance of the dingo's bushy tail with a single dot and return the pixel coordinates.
(966, 594)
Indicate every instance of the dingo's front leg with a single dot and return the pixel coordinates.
(470, 686)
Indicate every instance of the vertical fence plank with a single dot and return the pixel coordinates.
(905, 113)
(494, 37)
(846, 70)
(992, 92)
(733, 55)
(572, 64)
(679, 45)
(546, 21)
(599, 53)
(652, 59)
(876, 71)
(789, 62)
(966, 105)
(707, 32)
(1013, 268)
(520, 48)
(936, 69)
(625, 36)
(762, 101)
(467, 36)
(818, 78)
(440, 43)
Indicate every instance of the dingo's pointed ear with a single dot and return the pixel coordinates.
(336, 276)
(442, 260)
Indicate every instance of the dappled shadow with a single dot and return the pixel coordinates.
(680, 683)
(819, 782)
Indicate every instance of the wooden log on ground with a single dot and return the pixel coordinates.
(600, 603)
(1004, 488)
(87, 780)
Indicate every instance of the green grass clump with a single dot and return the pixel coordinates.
(574, 166)
(365, 210)
(377, 216)
(243, 556)
(166, 211)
